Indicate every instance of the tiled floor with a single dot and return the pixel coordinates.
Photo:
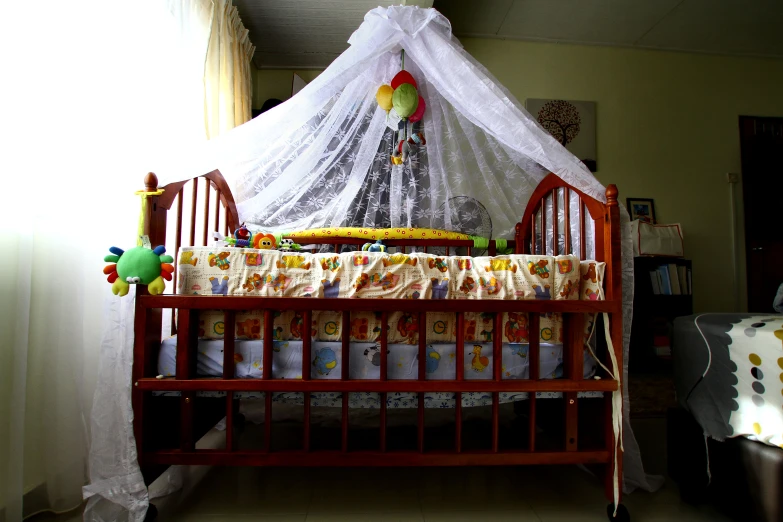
(522, 494)
(543, 494)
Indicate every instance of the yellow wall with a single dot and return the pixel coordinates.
(667, 129)
(276, 83)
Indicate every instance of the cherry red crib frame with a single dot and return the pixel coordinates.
(159, 447)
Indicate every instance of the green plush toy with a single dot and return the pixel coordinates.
(405, 100)
(138, 266)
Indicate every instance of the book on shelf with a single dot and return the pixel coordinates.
(690, 288)
(656, 282)
(674, 278)
(666, 286)
(682, 276)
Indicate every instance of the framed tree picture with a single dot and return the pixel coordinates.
(641, 209)
(572, 123)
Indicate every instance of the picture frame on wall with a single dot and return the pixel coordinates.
(642, 209)
(570, 122)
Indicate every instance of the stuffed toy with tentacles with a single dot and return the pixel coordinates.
(138, 266)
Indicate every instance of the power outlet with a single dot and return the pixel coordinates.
(732, 177)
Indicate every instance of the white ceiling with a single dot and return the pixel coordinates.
(302, 34)
(297, 34)
(739, 27)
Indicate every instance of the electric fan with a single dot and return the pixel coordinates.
(470, 217)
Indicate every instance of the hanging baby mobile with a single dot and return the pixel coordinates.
(404, 107)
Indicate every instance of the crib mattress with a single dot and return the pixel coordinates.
(326, 363)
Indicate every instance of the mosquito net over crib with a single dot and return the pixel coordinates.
(322, 158)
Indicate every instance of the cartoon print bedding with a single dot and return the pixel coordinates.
(245, 271)
(728, 370)
(326, 363)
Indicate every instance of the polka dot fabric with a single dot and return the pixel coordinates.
(757, 350)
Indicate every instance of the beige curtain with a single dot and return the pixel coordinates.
(228, 82)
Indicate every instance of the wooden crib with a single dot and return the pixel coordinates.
(167, 429)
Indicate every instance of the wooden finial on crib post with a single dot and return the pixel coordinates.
(150, 182)
(611, 195)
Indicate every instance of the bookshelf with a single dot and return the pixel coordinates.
(656, 304)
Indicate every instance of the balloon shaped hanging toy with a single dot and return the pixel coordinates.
(419, 113)
(384, 97)
(405, 100)
(403, 77)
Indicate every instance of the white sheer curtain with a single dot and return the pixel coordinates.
(98, 91)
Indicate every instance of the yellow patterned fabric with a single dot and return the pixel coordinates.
(377, 233)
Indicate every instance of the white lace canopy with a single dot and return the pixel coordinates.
(322, 157)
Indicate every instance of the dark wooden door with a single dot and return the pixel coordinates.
(761, 142)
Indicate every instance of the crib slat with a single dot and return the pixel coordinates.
(229, 321)
(573, 345)
(177, 244)
(543, 226)
(534, 350)
(470, 249)
(497, 347)
(582, 237)
(193, 201)
(384, 345)
(266, 371)
(216, 226)
(187, 337)
(206, 210)
(178, 237)
(307, 342)
(384, 373)
(460, 350)
(567, 215)
(225, 221)
(533, 243)
(534, 333)
(345, 336)
(422, 374)
(497, 370)
(573, 356)
(555, 242)
(422, 327)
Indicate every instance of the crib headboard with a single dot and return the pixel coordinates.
(588, 227)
